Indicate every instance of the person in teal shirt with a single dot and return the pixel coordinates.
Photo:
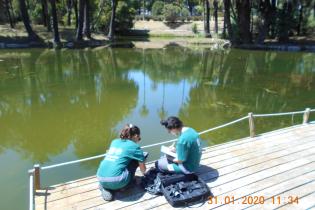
(118, 167)
(187, 148)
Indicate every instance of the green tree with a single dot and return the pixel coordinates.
(171, 12)
(157, 8)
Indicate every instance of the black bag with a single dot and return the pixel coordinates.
(184, 190)
(151, 182)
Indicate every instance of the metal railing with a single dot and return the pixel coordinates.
(34, 173)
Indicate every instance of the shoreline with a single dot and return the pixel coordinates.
(161, 42)
(144, 35)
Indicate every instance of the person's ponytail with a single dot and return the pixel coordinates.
(129, 131)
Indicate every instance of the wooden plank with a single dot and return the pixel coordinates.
(261, 184)
(298, 186)
(305, 202)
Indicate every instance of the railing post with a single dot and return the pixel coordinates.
(251, 124)
(31, 190)
(306, 115)
(37, 177)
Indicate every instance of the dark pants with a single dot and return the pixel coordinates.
(132, 167)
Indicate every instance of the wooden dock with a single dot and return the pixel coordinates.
(275, 170)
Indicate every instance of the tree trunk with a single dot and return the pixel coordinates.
(265, 11)
(69, 11)
(207, 18)
(285, 21)
(86, 29)
(46, 19)
(7, 8)
(273, 18)
(243, 19)
(224, 27)
(12, 12)
(300, 19)
(190, 7)
(111, 32)
(26, 21)
(55, 21)
(79, 35)
(75, 7)
(215, 14)
(227, 18)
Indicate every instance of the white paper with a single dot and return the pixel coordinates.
(167, 151)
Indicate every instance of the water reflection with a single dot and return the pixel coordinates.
(53, 99)
(50, 99)
(61, 105)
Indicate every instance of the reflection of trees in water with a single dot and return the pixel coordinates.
(50, 99)
(57, 98)
(144, 111)
(239, 82)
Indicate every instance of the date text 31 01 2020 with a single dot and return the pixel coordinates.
(277, 200)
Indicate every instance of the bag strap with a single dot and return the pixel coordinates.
(201, 199)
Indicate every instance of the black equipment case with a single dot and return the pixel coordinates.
(183, 189)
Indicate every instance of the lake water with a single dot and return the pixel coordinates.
(57, 106)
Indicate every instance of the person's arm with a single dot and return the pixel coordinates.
(173, 147)
(177, 161)
(142, 167)
(181, 151)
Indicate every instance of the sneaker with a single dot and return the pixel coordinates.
(106, 194)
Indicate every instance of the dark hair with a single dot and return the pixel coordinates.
(129, 131)
(172, 122)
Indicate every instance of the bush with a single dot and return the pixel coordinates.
(124, 17)
(171, 12)
(147, 17)
(36, 14)
(184, 14)
(198, 10)
(157, 8)
(194, 28)
(123, 21)
(197, 18)
(158, 18)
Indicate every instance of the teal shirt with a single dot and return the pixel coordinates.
(118, 157)
(188, 149)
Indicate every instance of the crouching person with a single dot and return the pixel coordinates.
(118, 168)
(187, 148)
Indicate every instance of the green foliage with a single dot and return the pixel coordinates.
(125, 16)
(184, 14)
(36, 14)
(158, 18)
(310, 23)
(171, 12)
(197, 18)
(194, 28)
(102, 21)
(199, 10)
(157, 8)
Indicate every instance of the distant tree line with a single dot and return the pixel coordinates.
(244, 21)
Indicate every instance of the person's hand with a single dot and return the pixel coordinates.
(172, 148)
